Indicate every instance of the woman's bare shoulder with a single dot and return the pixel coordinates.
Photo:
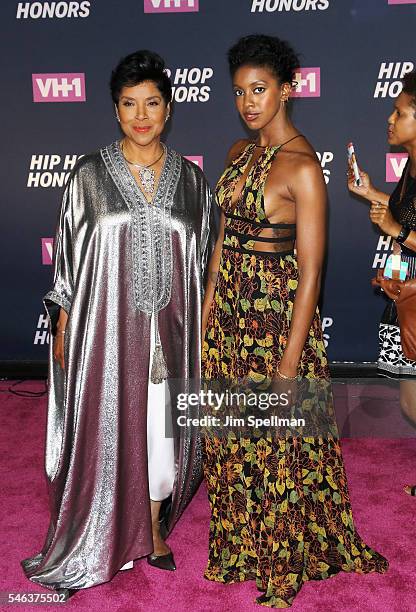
(302, 156)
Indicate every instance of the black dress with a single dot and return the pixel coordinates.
(391, 360)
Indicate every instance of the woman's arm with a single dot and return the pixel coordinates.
(381, 216)
(309, 192)
(58, 301)
(367, 189)
(380, 213)
(213, 267)
(58, 341)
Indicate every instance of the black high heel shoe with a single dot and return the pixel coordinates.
(163, 562)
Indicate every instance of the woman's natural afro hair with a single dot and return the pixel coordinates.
(265, 51)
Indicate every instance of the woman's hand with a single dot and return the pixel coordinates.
(58, 348)
(381, 216)
(366, 189)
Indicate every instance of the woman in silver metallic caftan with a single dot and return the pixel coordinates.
(130, 250)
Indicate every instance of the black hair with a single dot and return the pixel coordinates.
(139, 67)
(265, 51)
(409, 85)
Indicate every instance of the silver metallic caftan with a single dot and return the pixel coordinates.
(96, 455)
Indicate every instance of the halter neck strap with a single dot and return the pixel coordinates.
(280, 145)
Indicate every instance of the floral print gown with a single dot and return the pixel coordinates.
(280, 508)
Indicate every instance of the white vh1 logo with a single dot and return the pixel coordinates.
(59, 87)
(308, 83)
(171, 6)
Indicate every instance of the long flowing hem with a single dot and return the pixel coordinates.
(30, 570)
(273, 601)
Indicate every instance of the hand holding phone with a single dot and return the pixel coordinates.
(352, 160)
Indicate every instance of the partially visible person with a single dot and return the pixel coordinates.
(125, 312)
(395, 216)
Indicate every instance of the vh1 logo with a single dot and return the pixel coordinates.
(308, 83)
(59, 87)
(47, 251)
(395, 163)
(198, 160)
(171, 6)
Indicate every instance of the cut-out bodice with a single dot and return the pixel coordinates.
(247, 229)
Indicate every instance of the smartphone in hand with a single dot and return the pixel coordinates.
(352, 160)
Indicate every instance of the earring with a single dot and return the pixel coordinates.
(167, 118)
(117, 115)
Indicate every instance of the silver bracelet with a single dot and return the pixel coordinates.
(283, 376)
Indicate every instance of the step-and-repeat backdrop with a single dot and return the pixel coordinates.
(57, 58)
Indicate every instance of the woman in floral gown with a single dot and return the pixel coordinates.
(281, 513)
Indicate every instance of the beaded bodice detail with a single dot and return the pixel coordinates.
(152, 231)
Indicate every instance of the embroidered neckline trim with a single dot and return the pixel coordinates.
(142, 211)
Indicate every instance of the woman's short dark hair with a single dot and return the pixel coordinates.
(139, 67)
(409, 85)
(266, 51)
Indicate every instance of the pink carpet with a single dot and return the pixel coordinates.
(385, 517)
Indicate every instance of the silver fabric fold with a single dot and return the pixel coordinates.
(96, 455)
